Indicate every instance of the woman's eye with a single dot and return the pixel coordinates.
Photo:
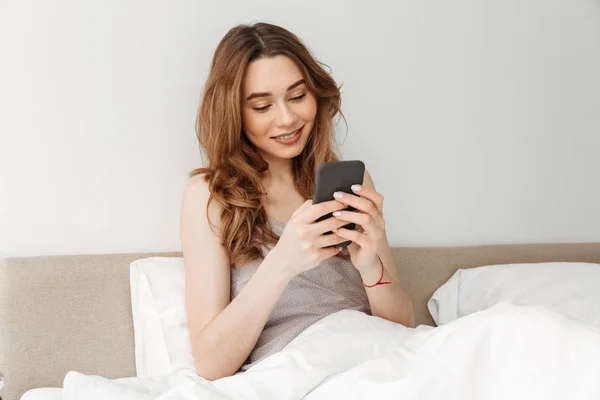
(299, 97)
(261, 109)
(265, 108)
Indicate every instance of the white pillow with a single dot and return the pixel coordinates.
(161, 334)
(572, 289)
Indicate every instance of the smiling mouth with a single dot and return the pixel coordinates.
(288, 135)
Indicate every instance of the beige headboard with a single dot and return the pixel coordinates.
(65, 313)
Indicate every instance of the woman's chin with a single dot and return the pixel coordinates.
(290, 153)
(285, 153)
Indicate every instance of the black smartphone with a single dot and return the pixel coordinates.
(334, 176)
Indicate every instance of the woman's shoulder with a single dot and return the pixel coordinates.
(196, 195)
(197, 189)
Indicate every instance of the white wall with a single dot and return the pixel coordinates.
(479, 120)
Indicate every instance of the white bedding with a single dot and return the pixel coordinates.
(504, 352)
(569, 288)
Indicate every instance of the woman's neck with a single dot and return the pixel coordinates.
(282, 198)
(280, 170)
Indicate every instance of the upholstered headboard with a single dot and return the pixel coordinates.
(65, 313)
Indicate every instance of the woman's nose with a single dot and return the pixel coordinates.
(285, 116)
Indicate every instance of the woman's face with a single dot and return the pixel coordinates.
(278, 111)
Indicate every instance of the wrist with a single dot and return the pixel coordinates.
(374, 275)
(278, 267)
(370, 272)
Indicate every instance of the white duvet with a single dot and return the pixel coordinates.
(504, 352)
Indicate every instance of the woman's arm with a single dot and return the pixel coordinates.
(222, 334)
(387, 301)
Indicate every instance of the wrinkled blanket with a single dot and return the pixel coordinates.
(504, 352)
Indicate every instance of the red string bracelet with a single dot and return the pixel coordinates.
(379, 282)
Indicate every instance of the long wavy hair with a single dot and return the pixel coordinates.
(234, 168)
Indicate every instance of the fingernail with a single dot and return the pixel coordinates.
(337, 214)
(356, 188)
(334, 230)
(337, 195)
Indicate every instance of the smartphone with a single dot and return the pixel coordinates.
(334, 176)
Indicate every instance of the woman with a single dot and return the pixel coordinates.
(259, 270)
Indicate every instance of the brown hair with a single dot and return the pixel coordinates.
(235, 169)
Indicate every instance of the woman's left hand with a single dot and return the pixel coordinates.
(369, 216)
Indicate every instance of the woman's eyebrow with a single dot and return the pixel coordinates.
(264, 94)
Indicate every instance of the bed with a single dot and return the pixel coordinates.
(74, 312)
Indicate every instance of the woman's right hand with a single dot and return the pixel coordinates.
(303, 245)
